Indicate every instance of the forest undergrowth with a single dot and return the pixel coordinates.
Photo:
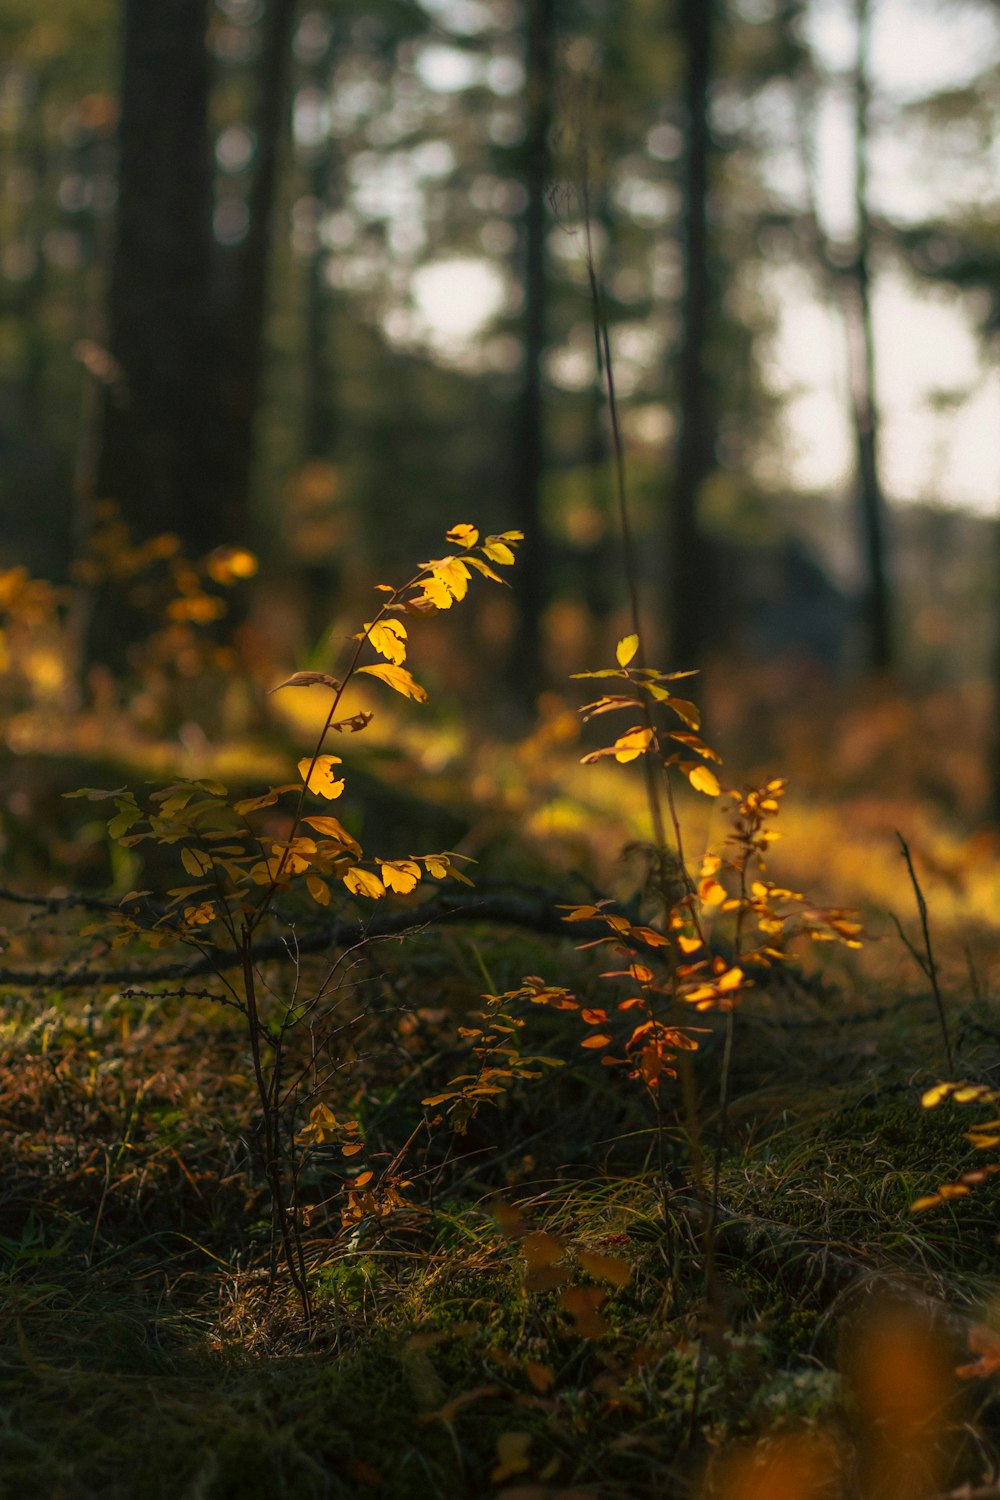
(304, 1213)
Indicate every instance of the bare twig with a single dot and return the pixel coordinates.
(926, 959)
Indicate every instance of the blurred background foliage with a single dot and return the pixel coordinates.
(311, 282)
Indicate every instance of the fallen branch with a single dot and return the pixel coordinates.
(539, 913)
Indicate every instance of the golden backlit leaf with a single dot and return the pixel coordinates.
(497, 550)
(703, 780)
(633, 744)
(319, 776)
(334, 829)
(598, 1039)
(361, 882)
(388, 638)
(485, 569)
(463, 535)
(626, 649)
(401, 875)
(711, 893)
(399, 679)
(689, 712)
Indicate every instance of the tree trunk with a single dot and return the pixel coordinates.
(157, 455)
(246, 307)
(529, 437)
(861, 342)
(690, 598)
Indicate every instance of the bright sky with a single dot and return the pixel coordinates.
(939, 396)
(940, 399)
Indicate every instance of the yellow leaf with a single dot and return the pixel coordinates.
(198, 916)
(704, 780)
(318, 890)
(334, 830)
(497, 550)
(485, 569)
(452, 572)
(308, 679)
(687, 711)
(463, 535)
(633, 744)
(399, 679)
(399, 875)
(321, 779)
(363, 883)
(389, 639)
(195, 862)
(627, 647)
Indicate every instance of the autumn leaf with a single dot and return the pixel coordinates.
(362, 882)
(308, 679)
(985, 1343)
(703, 780)
(199, 916)
(388, 638)
(319, 777)
(463, 535)
(626, 649)
(399, 679)
(497, 550)
(400, 875)
(633, 744)
(485, 569)
(334, 829)
(196, 862)
(318, 890)
(689, 712)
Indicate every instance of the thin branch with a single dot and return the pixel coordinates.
(927, 962)
(538, 914)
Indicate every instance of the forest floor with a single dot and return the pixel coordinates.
(561, 1302)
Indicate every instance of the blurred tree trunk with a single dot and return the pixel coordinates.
(156, 444)
(861, 340)
(529, 439)
(691, 591)
(247, 282)
(157, 448)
